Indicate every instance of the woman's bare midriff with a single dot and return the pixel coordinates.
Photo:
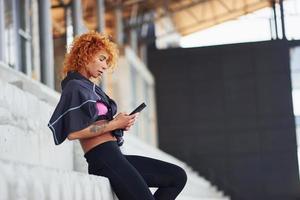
(89, 143)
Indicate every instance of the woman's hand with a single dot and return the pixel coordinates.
(135, 118)
(124, 121)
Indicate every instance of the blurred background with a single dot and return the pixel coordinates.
(221, 80)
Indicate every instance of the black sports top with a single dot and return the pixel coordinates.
(77, 108)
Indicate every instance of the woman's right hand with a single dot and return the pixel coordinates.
(122, 120)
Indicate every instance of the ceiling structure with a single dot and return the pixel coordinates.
(186, 16)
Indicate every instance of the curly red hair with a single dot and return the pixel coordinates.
(84, 48)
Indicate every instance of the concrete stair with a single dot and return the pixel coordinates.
(24, 181)
(32, 167)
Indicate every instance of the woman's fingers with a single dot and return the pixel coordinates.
(131, 122)
(135, 116)
(126, 121)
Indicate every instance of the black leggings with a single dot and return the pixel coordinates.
(131, 175)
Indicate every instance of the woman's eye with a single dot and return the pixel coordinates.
(102, 58)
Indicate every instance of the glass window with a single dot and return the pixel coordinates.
(24, 33)
(295, 78)
(10, 43)
(18, 34)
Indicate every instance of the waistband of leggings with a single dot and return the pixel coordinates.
(101, 147)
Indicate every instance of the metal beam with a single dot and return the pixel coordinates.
(192, 14)
(213, 11)
(233, 11)
(171, 12)
(61, 5)
(223, 17)
(224, 5)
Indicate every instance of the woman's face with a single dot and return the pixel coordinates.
(98, 65)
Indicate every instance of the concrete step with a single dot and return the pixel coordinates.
(49, 169)
(25, 181)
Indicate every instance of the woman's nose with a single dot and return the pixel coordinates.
(105, 66)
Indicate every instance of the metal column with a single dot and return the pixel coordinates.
(282, 19)
(275, 19)
(2, 26)
(101, 28)
(134, 29)
(46, 42)
(17, 64)
(119, 28)
(134, 40)
(100, 16)
(27, 37)
(77, 17)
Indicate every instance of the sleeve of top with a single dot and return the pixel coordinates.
(75, 111)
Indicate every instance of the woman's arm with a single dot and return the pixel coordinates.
(121, 121)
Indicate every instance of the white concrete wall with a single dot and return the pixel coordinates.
(24, 116)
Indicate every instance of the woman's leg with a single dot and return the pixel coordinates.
(169, 178)
(107, 160)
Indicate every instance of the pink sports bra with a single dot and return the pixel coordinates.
(102, 109)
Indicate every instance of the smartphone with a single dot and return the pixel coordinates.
(138, 109)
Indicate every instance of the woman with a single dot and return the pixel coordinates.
(85, 112)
